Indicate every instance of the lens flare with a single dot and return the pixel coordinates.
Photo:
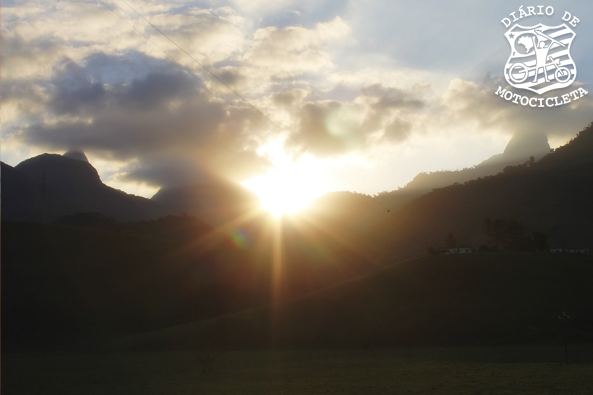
(289, 188)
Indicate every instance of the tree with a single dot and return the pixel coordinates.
(451, 241)
(499, 231)
(510, 235)
(488, 231)
(484, 248)
(540, 240)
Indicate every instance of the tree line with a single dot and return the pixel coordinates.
(503, 235)
(509, 235)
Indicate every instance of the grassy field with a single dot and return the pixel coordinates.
(513, 370)
(487, 299)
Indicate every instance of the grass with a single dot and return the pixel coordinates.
(445, 300)
(487, 370)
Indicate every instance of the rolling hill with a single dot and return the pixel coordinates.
(64, 283)
(356, 213)
(490, 298)
(550, 195)
(216, 202)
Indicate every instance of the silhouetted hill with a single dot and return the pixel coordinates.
(348, 212)
(64, 283)
(51, 186)
(441, 300)
(551, 195)
(356, 212)
(521, 146)
(216, 201)
(171, 227)
(96, 278)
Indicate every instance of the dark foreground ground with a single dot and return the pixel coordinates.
(464, 370)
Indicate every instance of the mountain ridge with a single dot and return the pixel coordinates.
(550, 195)
(364, 210)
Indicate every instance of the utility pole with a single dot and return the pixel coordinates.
(43, 197)
(564, 318)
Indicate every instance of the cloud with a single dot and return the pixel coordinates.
(155, 117)
(208, 35)
(81, 77)
(290, 98)
(379, 115)
(333, 80)
(294, 50)
(475, 104)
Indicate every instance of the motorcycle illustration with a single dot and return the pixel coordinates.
(519, 71)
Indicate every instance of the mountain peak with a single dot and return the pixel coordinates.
(525, 144)
(76, 155)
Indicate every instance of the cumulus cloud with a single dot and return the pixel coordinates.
(76, 75)
(378, 115)
(476, 104)
(209, 35)
(295, 50)
(149, 120)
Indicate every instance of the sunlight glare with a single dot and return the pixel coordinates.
(288, 188)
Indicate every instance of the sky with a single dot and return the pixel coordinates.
(291, 98)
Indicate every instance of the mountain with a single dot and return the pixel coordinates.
(51, 186)
(552, 195)
(519, 149)
(356, 212)
(216, 201)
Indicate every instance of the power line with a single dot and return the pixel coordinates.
(307, 150)
(184, 67)
(384, 209)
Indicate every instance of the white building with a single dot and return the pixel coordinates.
(571, 250)
(459, 250)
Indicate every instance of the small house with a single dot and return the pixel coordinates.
(458, 250)
(570, 250)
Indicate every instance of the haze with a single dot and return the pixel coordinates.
(354, 95)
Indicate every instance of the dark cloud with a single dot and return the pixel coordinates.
(392, 98)
(72, 96)
(331, 128)
(230, 77)
(388, 101)
(165, 122)
(316, 132)
(156, 89)
(284, 98)
(397, 131)
(166, 171)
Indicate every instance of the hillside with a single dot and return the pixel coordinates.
(51, 186)
(215, 201)
(61, 283)
(65, 282)
(496, 298)
(551, 195)
(356, 213)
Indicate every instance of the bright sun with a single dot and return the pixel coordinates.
(282, 194)
(289, 188)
